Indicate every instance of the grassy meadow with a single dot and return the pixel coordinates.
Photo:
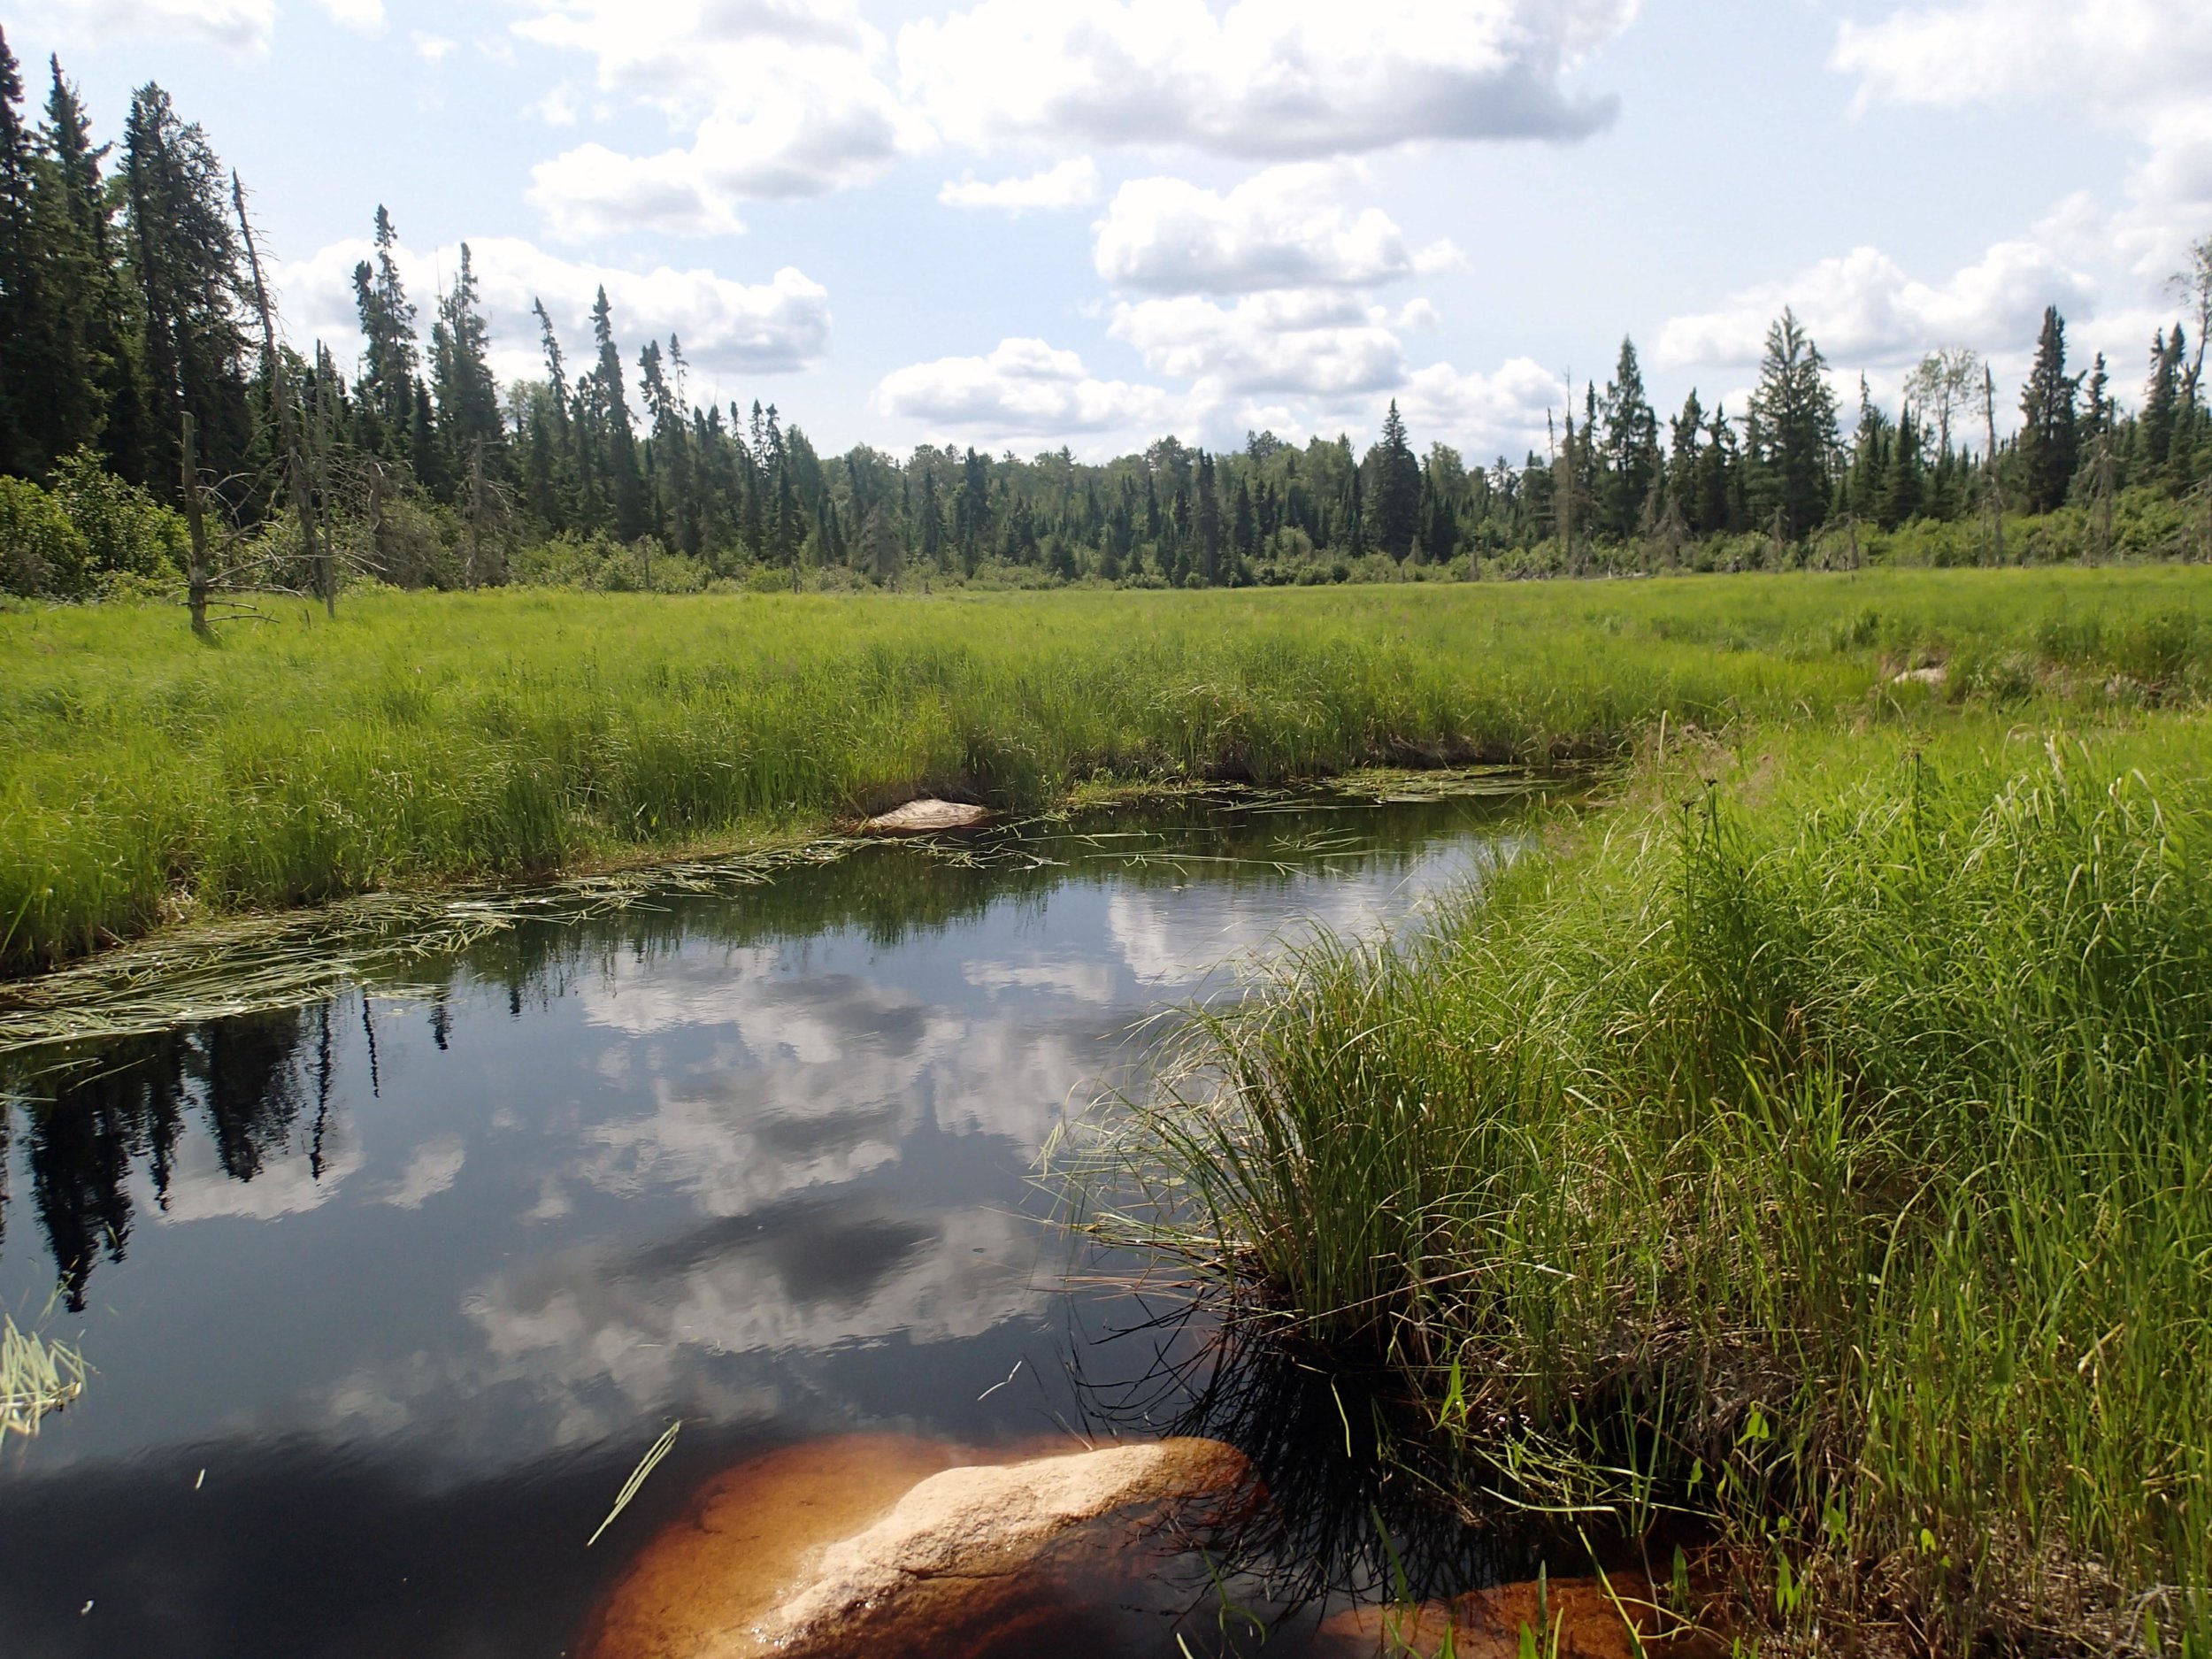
(424, 739)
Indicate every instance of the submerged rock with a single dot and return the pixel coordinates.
(872, 1544)
(917, 818)
(1487, 1624)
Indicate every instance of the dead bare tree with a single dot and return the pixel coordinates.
(2103, 486)
(196, 574)
(1996, 493)
(298, 477)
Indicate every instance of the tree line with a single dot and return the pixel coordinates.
(152, 423)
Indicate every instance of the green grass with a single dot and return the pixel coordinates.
(1819, 1144)
(422, 740)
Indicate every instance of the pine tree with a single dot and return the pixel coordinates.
(677, 510)
(626, 484)
(1630, 448)
(1870, 447)
(85, 258)
(185, 259)
(21, 321)
(1719, 477)
(58, 355)
(1904, 486)
(1684, 433)
(1794, 414)
(2049, 445)
(2155, 426)
(469, 423)
(1208, 525)
(931, 525)
(386, 380)
(1392, 486)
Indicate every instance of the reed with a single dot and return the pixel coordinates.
(422, 740)
(1819, 1146)
(38, 1377)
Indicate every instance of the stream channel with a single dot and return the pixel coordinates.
(386, 1294)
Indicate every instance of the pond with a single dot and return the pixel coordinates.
(386, 1294)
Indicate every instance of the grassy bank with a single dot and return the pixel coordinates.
(422, 738)
(1820, 1145)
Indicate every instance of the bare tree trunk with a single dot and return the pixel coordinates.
(2104, 497)
(1996, 489)
(1567, 490)
(376, 521)
(196, 579)
(318, 558)
(474, 574)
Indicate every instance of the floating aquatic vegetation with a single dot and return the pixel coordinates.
(236, 966)
(36, 1377)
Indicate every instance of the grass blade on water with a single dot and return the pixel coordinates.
(645, 1466)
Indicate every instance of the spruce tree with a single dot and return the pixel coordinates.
(85, 253)
(1630, 446)
(185, 265)
(1684, 433)
(20, 310)
(2049, 445)
(1208, 527)
(469, 426)
(1904, 486)
(626, 484)
(2155, 426)
(59, 355)
(387, 381)
(1390, 478)
(1794, 414)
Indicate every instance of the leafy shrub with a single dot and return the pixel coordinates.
(41, 551)
(125, 531)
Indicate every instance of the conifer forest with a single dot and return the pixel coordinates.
(154, 423)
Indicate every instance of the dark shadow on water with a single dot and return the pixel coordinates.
(1364, 1504)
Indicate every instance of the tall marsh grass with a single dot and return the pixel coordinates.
(1823, 1150)
(425, 738)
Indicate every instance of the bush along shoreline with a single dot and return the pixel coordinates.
(1815, 1152)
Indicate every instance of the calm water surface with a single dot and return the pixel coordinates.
(386, 1295)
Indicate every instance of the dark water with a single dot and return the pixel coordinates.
(386, 1295)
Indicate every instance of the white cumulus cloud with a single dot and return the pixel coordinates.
(2142, 66)
(242, 26)
(1072, 183)
(1314, 341)
(1283, 227)
(364, 16)
(1262, 78)
(1023, 388)
(1864, 309)
(728, 327)
(771, 98)
(1500, 412)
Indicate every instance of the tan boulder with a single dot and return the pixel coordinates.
(872, 1544)
(919, 818)
(1487, 1624)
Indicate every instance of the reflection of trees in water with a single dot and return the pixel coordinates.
(124, 1105)
(94, 1111)
(890, 894)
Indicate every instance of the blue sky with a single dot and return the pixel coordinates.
(1023, 223)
